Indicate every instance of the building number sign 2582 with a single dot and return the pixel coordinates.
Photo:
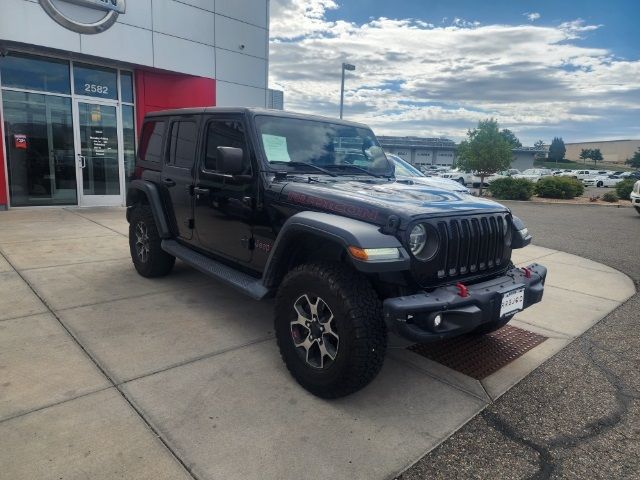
(93, 88)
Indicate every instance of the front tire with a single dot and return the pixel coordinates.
(330, 329)
(145, 244)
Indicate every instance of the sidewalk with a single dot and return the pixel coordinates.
(104, 373)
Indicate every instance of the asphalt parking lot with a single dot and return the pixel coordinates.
(578, 415)
(106, 374)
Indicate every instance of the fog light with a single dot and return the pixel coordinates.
(437, 321)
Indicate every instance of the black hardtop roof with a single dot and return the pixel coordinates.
(253, 111)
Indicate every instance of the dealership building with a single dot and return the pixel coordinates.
(78, 76)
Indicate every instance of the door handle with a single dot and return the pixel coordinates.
(83, 161)
(200, 191)
(169, 182)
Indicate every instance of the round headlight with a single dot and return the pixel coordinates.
(417, 239)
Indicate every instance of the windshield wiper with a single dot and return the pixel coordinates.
(355, 167)
(304, 164)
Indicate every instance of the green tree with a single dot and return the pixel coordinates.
(596, 155)
(540, 146)
(557, 149)
(635, 160)
(510, 137)
(584, 154)
(485, 151)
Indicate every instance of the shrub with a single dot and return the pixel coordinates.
(559, 187)
(511, 188)
(624, 188)
(610, 197)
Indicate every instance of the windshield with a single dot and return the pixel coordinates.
(404, 169)
(342, 149)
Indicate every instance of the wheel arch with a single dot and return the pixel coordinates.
(144, 192)
(309, 236)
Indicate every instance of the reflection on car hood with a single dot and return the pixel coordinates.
(437, 182)
(375, 199)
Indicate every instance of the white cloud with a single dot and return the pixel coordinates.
(532, 16)
(416, 78)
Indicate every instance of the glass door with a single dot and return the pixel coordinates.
(98, 153)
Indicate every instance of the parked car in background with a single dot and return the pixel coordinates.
(407, 172)
(581, 174)
(463, 178)
(534, 174)
(635, 175)
(602, 181)
(635, 196)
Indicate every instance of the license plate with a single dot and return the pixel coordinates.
(512, 302)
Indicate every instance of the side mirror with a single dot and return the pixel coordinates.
(230, 160)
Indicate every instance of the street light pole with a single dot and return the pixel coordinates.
(351, 68)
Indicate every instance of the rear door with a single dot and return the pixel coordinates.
(177, 173)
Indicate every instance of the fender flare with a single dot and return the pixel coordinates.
(341, 230)
(150, 191)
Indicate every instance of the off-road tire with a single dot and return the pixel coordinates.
(157, 262)
(358, 318)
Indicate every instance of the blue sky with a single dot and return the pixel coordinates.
(434, 68)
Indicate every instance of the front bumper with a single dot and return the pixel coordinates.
(412, 317)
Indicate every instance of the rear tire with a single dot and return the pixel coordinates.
(330, 329)
(144, 244)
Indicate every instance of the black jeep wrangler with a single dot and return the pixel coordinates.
(307, 209)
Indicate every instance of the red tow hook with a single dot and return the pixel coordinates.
(462, 290)
(527, 272)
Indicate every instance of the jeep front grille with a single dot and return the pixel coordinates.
(467, 247)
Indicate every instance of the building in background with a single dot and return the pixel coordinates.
(275, 99)
(613, 151)
(78, 76)
(422, 152)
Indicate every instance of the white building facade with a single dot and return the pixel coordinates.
(78, 76)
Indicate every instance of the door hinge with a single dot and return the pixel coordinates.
(190, 223)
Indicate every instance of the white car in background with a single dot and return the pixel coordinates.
(635, 196)
(463, 178)
(602, 181)
(534, 174)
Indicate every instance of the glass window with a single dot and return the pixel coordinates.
(223, 134)
(126, 82)
(344, 149)
(95, 81)
(151, 142)
(128, 141)
(183, 144)
(40, 153)
(35, 73)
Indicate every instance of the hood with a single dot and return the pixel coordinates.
(436, 182)
(374, 200)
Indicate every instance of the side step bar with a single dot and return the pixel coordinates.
(243, 282)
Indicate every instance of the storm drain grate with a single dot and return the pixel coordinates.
(480, 356)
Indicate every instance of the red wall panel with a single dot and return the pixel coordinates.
(3, 180)
(161, 90)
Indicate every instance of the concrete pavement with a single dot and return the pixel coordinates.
(104, 373)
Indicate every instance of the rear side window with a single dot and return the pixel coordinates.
(151, 143)
(223, 133)
(182, 150)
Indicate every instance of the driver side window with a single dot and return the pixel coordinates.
(224, 133)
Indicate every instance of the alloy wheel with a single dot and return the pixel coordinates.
(314, 331)
(142, 242)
